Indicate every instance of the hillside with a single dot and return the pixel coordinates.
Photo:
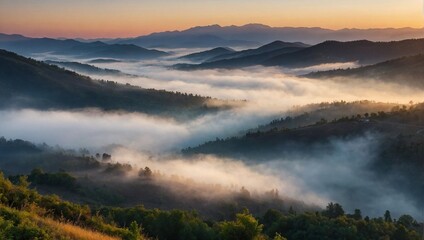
(206, 55)
(406, 71)
(245, 58)
(301, 116)
(26, 83)
(86, 68)
(104, 60)
(28, 46)
(363, 52)
(395, 141)
(276, 45)
(26, 212)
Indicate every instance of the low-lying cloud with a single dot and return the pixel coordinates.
(341, 175)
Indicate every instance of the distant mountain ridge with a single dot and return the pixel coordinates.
(27, 46)
(363, 51)
(252, 35)
(245, 58)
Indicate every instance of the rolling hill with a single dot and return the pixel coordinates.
(206, 55)
(364, 52)
(407, 71)
(28, 46)
(273, 46)
(245, 58)
(395, 143)
(26, 83)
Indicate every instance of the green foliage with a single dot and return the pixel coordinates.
(175, 224)
(60, 179)
(407, 221)
(135, 231)
(334, 210)
(18, 221)
(20, 197)
(19, 226)
(245, 227)
(315, 226)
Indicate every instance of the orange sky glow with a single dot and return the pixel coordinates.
(127, 18)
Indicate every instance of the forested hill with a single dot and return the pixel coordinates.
(26, 83)
(299, 56)
(364, 52)
(279, 137)
(407, 71)
(395, 140)
(26, 214)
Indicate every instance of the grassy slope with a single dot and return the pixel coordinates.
(11, 220)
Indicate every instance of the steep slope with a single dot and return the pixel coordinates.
(407, 70)
(26, 83)
(206, 55)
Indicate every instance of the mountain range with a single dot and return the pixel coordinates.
(245, 58)
(28, 46)
(297, 55)
(251, 35)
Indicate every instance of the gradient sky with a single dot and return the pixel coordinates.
(124, 18)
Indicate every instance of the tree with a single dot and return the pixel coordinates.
(357, 215)
(245, 227)
(244, 192)
(135, 231)
(407, 221)
(146, 172)
(106, 157)
(387, 216)
(334, 210)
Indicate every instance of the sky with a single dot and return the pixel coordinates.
(129, 18)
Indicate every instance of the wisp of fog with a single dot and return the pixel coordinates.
(269, 92)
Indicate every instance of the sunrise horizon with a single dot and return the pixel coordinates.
(182, 29)
(129, 18)
(212, 119)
